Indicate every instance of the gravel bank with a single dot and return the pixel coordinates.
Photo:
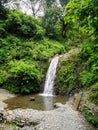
(62, 118)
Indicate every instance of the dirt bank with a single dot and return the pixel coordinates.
(4, 94)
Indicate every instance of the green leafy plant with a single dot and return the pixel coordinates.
(24, 25)
(67, 79)
(92, 119)
(93, 96)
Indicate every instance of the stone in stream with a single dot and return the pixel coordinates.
(58, 104)
(32, 98)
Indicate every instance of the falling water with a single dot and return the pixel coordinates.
(50, 77)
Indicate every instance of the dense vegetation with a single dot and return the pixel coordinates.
(80, 71)
(24, 52)
(27, 44)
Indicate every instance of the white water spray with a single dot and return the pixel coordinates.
(50, 77)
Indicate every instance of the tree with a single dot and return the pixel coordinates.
(49, 3)
(24, 25)
(52, 22)
(64, 2)
(3, 11)
(83, 16)
(89, 15)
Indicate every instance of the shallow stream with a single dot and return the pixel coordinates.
(40, 103)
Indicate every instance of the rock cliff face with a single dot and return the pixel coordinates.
(35, 7)
(32, 7)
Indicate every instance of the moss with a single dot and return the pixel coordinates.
(68, 74)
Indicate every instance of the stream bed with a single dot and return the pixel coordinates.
(63, 118)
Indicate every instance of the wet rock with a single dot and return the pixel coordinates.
(76, 101)
(2, 105)
(19, 121)
(10, 112)
(57, 105)
(93, 110)
(8, 119)
(1, 117)
(32, 98)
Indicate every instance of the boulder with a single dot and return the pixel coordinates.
(95, 111)
(1, 117)
(76, 101)
(32, 98)
(58, 104)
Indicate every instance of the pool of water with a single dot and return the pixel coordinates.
(40, 103)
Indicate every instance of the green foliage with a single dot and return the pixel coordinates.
(24, 52)
(93, 96)
(3, 12)
(19, 67)
(92, 119)
(24, 25)
(64, 2)
(79, 71)
(3, 55)
(49, 3)
(27, 77)
(89, 14)
(47, 49)
(24, 61)
(3, 75)
(2, 32)
(67, 76)
(86, 78)
(89, 54)
(81, 19)
(52, 22)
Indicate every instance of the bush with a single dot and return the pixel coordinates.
(24, 25)
(3, 12)
(3, 75)
(45, 49)
(24, 77)
(67, 77)
(86, 78)
(89, 56)
(52, 22)
(92, 119)
(3, 33)
(3, 48)
(24, 53)
(93, 96)
(25, 62)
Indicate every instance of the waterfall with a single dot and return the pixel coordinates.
(50, 77)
